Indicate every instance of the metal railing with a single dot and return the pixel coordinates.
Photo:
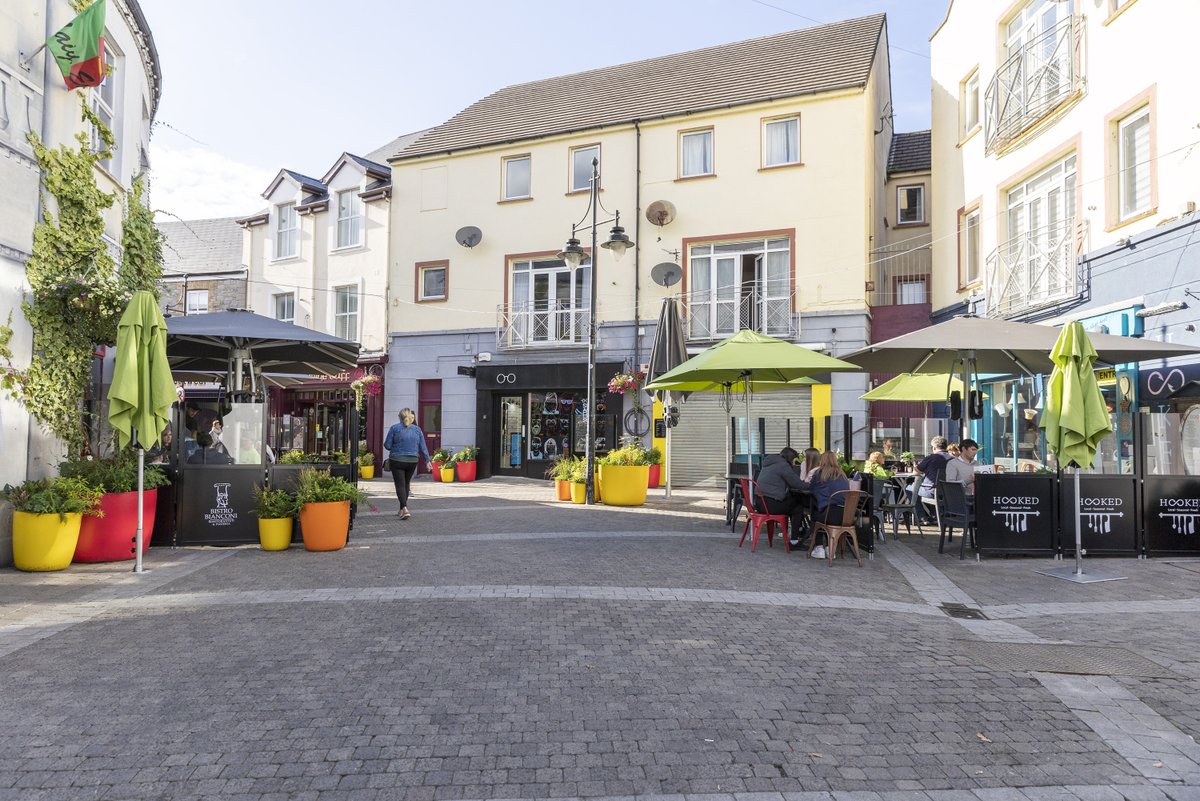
(1032, 271)
(540, 323)
(712, 314)
(901, 274)
(1031, 83)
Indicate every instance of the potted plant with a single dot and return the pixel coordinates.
(464, 463)
(578, 479)
(560, 472)
(909, 459)
(325, 509)
(654, 458)
(46, 519)
(366, 465)
(439, 458)
(275, 509)
(625, 473)
(110, 536)
(621, 383)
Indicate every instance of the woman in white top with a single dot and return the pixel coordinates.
(809, 465)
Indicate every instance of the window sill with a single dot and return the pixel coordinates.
(969, 135)
(583, 191)
(978, 282)
(1118, 12)
(348, 248)
(1150, 212)
(514, 200)
(284, 259)
(696, 177)
(921, 224)
(438, 299)
(773, 167)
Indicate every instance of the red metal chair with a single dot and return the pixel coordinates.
(759, 516)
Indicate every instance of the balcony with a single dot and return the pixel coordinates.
(539, 324)
(900, 275)
(1033, 82)
(1033, 271)
(714, 314)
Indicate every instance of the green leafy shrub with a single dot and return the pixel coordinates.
(294, 457)
(334, 457)
(560, 468)
(60, 496)
(578, 470)
(318, 486)
(114, 474)
(467, 454)
(654, 456)
(629, 455)
(274, 504)
(366, 459)
(442, 456)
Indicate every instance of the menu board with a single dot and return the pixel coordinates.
(550, 424)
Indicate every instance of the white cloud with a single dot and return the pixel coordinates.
(196, 183)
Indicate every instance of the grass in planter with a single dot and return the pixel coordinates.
(318, 486)
(442, 456)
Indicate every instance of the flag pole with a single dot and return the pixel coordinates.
(27, 61)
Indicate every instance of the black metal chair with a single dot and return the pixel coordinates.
(906, 506)
(875, 505)
(955, 511)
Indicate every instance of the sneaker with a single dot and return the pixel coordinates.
(405, 514)
(818, 552)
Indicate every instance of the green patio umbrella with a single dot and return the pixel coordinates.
(915, 387)
(1075, 420)
(142, 391)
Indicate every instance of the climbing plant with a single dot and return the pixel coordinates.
(141, 245)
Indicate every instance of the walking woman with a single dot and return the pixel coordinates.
(405, 444)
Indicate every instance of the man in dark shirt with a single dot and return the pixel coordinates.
(931, 468)
(779, 481)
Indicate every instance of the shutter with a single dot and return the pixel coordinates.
(698, 442)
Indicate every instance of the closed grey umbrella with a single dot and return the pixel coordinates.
(668, 352)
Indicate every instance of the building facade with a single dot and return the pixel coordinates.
(1067, 186)
(33, 99)
(757, 168)
(202, 267)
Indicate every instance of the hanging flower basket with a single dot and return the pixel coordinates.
(368, 386)
(621, 383)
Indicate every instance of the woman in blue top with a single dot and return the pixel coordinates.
(405, 444)
(824, 481)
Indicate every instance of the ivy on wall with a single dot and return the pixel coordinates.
(141, 245)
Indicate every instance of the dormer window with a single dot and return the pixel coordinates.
(349, 219)
(287, 230)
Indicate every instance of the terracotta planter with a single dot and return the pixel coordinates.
(436, 469)
(562, 489)
(44, 542)
(366, 471)
(111, 538)
(655, 475)
(324, 526)
(446, 473)
(464, 471)
(578, 492)
(275, 533)
(625, 485)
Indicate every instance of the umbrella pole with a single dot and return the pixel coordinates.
(1078, 528)
(137, 542)
(667, 456)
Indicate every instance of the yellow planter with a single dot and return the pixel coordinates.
(578, 492)
(366, 472)
(625, 485)
(44, 542)
(447, 474)
(275, 533)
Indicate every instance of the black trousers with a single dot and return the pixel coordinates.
(402, 476)
(793, 507)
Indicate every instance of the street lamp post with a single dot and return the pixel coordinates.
(573, 255)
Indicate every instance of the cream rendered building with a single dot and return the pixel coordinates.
(772, 154)
(33, 98)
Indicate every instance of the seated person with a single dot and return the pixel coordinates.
(778, 481)
(874, 466)
(209, 452)
(806, 468)
(962, 467)
(930, 470)
(827, 479)
(161, 453)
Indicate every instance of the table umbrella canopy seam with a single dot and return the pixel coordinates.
(203, 343)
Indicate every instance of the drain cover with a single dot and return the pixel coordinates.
(963, 611)
(1072, 659)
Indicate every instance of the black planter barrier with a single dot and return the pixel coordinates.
(216, 504)
(1016, 513)
(1108, 515)
(1171, 515)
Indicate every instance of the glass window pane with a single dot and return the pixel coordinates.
(581, 167)
(516, 178)
(701, 274)
(433, 282)
(1135, 166)
(782, 145)
(697, 153)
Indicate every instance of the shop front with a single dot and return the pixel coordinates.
(528, 415)
(314, 416)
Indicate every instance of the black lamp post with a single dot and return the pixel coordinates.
(573, 255)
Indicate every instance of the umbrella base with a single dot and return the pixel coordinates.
(1069, 574)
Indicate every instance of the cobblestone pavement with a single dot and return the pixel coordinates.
(500, 645)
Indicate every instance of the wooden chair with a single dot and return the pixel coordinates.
(955, 512)
(759, 517)
(837, 531)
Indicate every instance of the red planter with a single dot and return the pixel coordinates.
(436, 467)
(655, 471)
(464, 471)
(111, 538)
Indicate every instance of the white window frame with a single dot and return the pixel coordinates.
(970, 103)
(793, 120)
(1127, 173)
(972, 256)
(900, 190)
(286, 212)
(508, 162)
(282, 296)
(445, 282)
(576, 184)
(105, 107)
(684, 136)
(348, 227)
(350, 291)
(551, 319)
(196, 308)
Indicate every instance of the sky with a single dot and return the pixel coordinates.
(254, 86)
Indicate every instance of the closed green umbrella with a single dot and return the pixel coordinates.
(1075, 419)
(142, 391)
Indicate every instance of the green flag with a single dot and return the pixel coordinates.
(78, 48)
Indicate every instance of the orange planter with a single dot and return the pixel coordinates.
(325, 526)
(562, 489)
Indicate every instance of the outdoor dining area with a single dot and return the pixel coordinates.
(1098, 478)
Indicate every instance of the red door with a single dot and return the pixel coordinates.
(429, 413)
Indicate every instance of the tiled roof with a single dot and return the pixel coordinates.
(805, 61)
(311, 185)
(393, 147)
(368, 164)
(909, 153)
(202, 246)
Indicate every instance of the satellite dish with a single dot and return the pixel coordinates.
(468, 236)
(666, 273)
(660, 212)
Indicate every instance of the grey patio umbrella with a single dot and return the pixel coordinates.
(668, 352)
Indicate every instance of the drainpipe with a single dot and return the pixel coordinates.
(637, 237)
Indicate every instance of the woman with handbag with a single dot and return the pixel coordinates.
(405, 444)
